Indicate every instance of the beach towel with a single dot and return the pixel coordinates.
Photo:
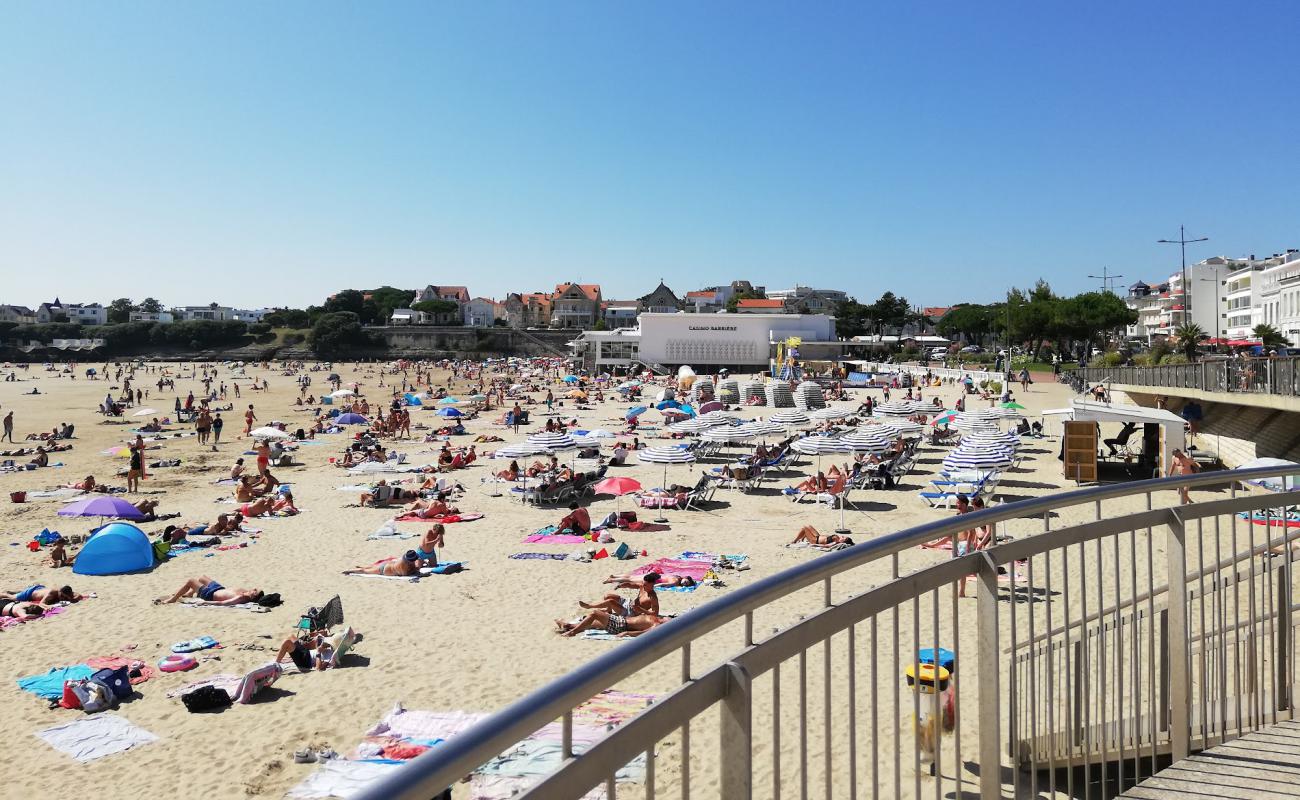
(554, 538)
(50, 684)
(389, 533)
(400, 723)
(141, 671)
(91, 738)
(342, 779)
(194, 602)
(10, 622)
(539, 556)
(406, 578)
(446, 520)
(693, 568)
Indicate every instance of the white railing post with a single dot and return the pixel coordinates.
(990, 682)
(1180, 688)
(736, 741)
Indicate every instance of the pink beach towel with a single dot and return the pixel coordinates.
(554, 538)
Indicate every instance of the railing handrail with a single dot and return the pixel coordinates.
(443, 766)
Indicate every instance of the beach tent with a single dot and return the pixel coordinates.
(116, 548)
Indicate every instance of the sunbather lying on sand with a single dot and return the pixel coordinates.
(616, 624)
(810, 535)
(41, 594)
(87, 485)
(665, 581)
(209, 591)
(382, 494)
(406, 566)
(20, 610)
(428, 509)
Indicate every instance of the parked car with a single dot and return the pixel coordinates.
(972, 348)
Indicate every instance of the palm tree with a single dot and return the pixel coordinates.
(1271, 338)
(1189, 335)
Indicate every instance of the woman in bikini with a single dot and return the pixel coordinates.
(437, 507)
(20, 610)
(404, 567)
(810, 535)
(511, 473)
(258, 507)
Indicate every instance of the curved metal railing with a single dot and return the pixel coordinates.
(729, 686)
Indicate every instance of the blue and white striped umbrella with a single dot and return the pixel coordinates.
(792, 416)
(727, 433)
(869, 439)
(665, 456)
(895, 408)
(831, 413)
(522, 450)
(903, 427)
(984, 460)
(692, 425)
(553, 442)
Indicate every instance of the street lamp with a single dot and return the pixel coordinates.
(1106, 279)
(1182, 241)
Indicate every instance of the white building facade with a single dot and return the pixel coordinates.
(1279, 296)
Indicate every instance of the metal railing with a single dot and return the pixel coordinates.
(1089, 652)
(1279, 376)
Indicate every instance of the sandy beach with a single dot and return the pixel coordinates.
(472, 641)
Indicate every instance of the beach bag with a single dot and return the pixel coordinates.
(94, 696)
(622, 552)
(117, 680)
(625, 517)
(270, 600)
(205, 698)
(69, 699)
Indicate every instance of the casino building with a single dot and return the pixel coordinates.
(742, 343)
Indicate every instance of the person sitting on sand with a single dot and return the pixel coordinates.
(59, 555)
(245, 491)
(37, 593)
(237, 470)
(615, 624)
(536, 468)
(510, 473)
(404, 567)
(283, 505)
(226, 525)
(577, 521)
(311, 652)
(149, 508)
(646, 601)
(810, 535)
(209, 591)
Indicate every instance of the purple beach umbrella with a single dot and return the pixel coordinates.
(101, 506)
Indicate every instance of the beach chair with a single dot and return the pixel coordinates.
(837, 492)
(701, 493)
(321, 620)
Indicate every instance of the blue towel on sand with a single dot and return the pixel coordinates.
(50, 684)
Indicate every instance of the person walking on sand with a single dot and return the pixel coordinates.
(1182, 464)
(9, 427)
(249, 419)
(217, 424)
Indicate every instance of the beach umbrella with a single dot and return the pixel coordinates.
(521, 450)
(478, 398)
(831, 413)
(101, 506)
(983, 461)
(553, 442)
(449, 412)
(446, 401)
(820, 445)
(635, 411)
(350, 419)
(600, 433)
(373, 467)
(144, 412)
(760, 428)
(617, 487)
(343, 393)
(944, 418)
(270, 433)
(570, 379)
(586, 439)
(1013, 405)
(412, 400)
(577, 394)
(895, 408)
(903, 427)
(792, 416)
(712, 405)
(867, 440)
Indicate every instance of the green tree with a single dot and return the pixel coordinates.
(969, 321)
(850, 319)
(150, 306)
(386, 298)
(890, 311)
(336, 333)
(119, 310)
(1189, 336)
(288, 318)
(349, 300)
(1271, 338)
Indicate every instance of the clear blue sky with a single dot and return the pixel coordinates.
(272, 153)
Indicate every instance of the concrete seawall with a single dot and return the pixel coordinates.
(451, 342)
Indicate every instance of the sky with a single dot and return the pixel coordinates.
(269, 154)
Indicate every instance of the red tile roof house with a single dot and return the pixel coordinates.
(760, 306)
